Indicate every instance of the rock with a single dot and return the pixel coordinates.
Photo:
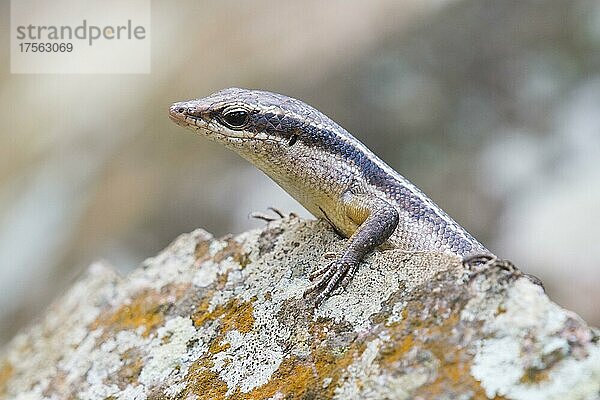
(225, 318)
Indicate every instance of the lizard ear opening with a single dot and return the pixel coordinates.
(293, 139)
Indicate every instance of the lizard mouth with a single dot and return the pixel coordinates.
(180, 113)
(187, 115)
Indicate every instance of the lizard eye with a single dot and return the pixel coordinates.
(235, 118)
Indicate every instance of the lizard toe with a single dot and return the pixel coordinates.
(329, 278)
(349, 275)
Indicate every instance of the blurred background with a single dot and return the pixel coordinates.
(491, 107)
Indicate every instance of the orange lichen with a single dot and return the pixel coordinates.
(233, 250)
(240, 316)
(203, 382)
(452, 374)
(301, 379)
(393, 354)
(217, 345)
(294, 379)
(143, 311)
(424, 329)
(235, 314)
(146, 309)
(6, 371)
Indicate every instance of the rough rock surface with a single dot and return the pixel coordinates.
(224, 319)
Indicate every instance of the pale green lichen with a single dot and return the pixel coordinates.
(172, 266)
(396, 314)
(206, 275)
(167, 354)
(248, 362)
(521, 337)
(250, 359)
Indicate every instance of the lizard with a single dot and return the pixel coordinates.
(331, 173)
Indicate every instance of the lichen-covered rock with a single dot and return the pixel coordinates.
(225, 319)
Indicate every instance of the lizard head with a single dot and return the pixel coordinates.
(290, 141)
(253, 120)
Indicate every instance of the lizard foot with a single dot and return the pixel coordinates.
(327, 278)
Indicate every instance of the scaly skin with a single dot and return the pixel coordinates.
(330, 173)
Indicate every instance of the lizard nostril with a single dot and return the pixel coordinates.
(180, 110)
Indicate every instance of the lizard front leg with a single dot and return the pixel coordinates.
(376, 219)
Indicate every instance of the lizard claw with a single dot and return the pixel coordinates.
(267, 218)
(281, 214)
(328, 278)
(276, 211)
